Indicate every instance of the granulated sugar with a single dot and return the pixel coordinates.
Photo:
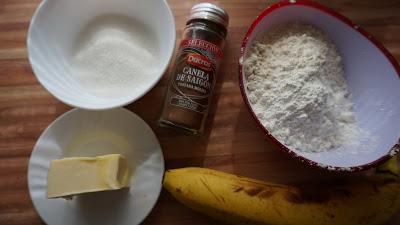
(114, 56)
(297, 89)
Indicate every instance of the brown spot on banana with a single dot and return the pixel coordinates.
(258, 191)
(267, 193)
(330, 215)
(307, 196)
(252, 191)
(237, 188)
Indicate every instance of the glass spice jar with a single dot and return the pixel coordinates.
(194, 73)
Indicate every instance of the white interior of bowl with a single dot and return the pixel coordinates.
(372, 81)
(55, 27)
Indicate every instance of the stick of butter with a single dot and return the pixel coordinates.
(77, 175)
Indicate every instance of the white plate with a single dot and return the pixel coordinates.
(89, 133)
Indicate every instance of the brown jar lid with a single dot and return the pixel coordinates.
(210, 12)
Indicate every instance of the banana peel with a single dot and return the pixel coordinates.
(240, 200)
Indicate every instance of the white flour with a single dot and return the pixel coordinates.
(114, 56)
(296, 87)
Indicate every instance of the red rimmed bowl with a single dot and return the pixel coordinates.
(372, 74)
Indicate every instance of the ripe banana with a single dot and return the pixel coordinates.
(239, 200)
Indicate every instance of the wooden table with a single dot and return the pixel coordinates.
(232, 142)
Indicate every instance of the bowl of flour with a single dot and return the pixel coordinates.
(100, 54)
(320, 87)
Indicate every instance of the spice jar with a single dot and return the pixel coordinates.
(194, 73)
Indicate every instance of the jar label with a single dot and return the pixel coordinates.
(193, 74)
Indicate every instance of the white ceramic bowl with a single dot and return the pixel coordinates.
(55, 32)
(372, 74)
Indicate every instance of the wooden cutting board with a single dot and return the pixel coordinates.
(232, 142)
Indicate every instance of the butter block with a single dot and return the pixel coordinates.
(77, 175)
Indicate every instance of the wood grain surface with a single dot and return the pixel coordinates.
(232, 142)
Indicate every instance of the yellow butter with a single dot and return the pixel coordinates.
(77, 175)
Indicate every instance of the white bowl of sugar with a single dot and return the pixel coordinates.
(320, 87)
(100, 54)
